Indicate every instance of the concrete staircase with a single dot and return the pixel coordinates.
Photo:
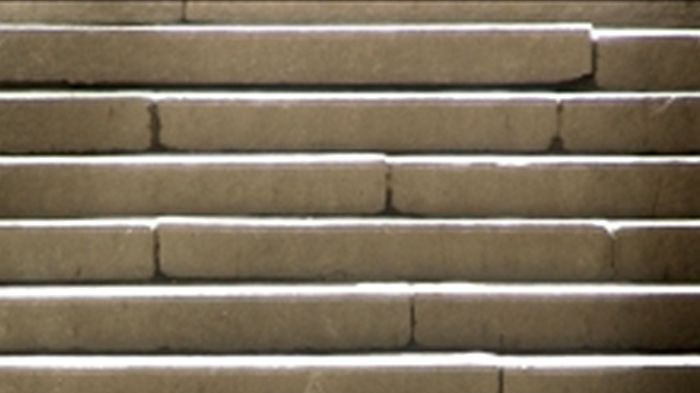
(350, 196)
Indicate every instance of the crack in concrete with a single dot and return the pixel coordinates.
(155, 126)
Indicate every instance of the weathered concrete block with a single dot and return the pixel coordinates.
(557, 318)
(648, 60)
(656, 122)
(620, 379)
(202, 319)
(181, 184)
(76, 250)
(658, 251)
(380, 54)
(65, 122)
(383, 249)
(386, 122)
(374, 373)
(90, 11)
(546, 186)
(599, 12)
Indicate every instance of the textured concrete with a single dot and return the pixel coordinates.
(658, 252)
(381, 249)
(632, 123)
(357, 121)
(46, 122)
(201, 319)
(607, 380)
(90, 11)
(557, 318)
(546, 186)
(76, 251)
(384, 54)
(375, 373)
(600, 12)
(648, 60)
(150, 185)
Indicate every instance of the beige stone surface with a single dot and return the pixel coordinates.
(374, 373)
(90, 11)
(617, 380)
(201, 319)
(232, 55)
(356, 121)
(661, 252)
(76, 251)
(657, 122)
(558, 318)
(383, 249)
(546, 186)
(180, 184)
(48, 122)
(648, 60)
(600, 12)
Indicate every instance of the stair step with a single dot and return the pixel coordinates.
(74, 122)
(203, 318)
(91, 11)
(77, 250)
(440, 373)
(528, 186)
(297, 55)
(608, 13)
(190, 184)
(648, 59)
(314, 318)
(556, 318)
(59, 122)
(422, 249)
(348, 249)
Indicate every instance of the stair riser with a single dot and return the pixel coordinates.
(295, 55)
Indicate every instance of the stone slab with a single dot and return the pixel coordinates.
(202, 319)
(658, 251)
(373, 373)
(90, 11)
(599, 12)
(647, 379)
(631, 123)
(80, 250)
(383, 249)
(557, 318)
(358, 121)
(191, 184)
(648, 59)
(295, 55)
(65, 122)
(527, 186)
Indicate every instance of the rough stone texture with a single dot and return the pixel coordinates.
(201, 319)
(665, 123)
(559, 318)
(347, 374)
(85, 11)
(664, 60)
(386, 54)
(149, 185)
(386, 122)
(75, 251)
(72, 123)
(546, 186)
(600, 12)
(617, 380)
(377, 249)
(667, 252)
